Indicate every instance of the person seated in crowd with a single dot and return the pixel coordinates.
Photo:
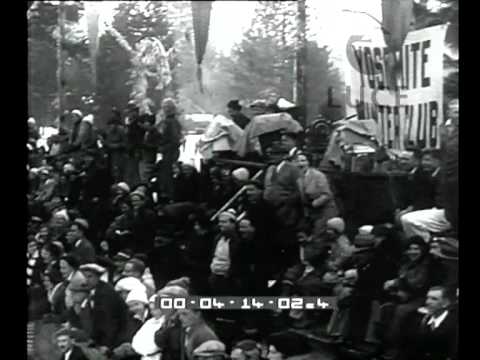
(67, 347)
(143, 225)
(109, 312)
(168, 337)
(282, 192)
(136, 268)
(305, 278)
(119, 194)
(235, 112)
(80, 246)
(34, 264)
(341, 249)
(317, 197)
(196, 252)
(186, 183)
(119, 234)
(406, 291)
(50, 254)
(263, 220)
(55, 288)
(445, 262)
(363, 275)
(424, 213)
(120, 259)
(229, 266)
(435, 334)
(197, 332)
(139, 313)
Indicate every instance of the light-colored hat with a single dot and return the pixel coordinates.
(68, 168)
(128, 284)
(88, 119)
(337, 224)
(137, 295)
(82, 223)
(78, 113)
(241, 174)
(31, 121)
(124, 186)
(62, 214)
(173, 291)
(78, 282)
(95, 268)
(365, 230)
(230, 214)
(210, 348)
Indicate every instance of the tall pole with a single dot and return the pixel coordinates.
(60, 60)
(301, 60)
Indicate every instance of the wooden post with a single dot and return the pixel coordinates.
(301, 60)
(60, 59)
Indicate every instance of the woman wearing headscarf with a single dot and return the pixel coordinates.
(317, 197)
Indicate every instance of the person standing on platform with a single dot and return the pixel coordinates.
(235, 111)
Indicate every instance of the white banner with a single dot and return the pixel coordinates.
(410, 112)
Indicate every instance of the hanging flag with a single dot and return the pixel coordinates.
(201, 22)
(93, 17)
(397, 19)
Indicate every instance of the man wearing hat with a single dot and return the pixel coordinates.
(81, 247)
(83, 134)
(171, 335)
(109, 311)
(69, 350)
(235, 111)
(229, 266)
(197, 332)
(282, 192)
(79, 315)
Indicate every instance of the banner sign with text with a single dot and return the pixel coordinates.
(409, 112)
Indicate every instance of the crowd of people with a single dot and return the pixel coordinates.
(117, 223)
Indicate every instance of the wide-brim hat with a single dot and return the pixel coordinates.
(210, 348)
(92, 267)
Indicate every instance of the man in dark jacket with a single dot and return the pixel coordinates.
(435, 334)
(229, 267)
(135, 134)
(171, 131)
(82, 249)
(69, 350)
(150, 148)
(116, 144)
(235, 111)
(109, 311)
(429, 217)
(283, 194)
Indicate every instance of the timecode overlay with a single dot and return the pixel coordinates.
(247, 303)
